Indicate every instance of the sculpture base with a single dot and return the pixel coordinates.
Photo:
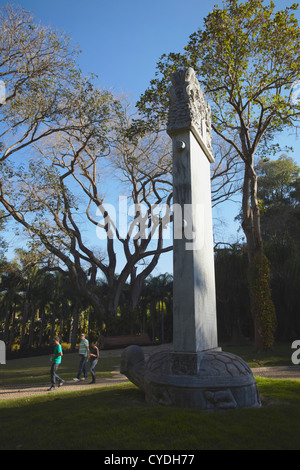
(210, 380)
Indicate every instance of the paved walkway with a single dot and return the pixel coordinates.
(19, 391)
(284, 372)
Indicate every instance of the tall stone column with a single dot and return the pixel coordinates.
(196, 373)
(194, 297)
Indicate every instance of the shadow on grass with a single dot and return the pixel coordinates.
(118, 418)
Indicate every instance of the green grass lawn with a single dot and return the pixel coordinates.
(117, 417)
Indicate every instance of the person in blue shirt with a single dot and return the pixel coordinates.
(56, 361)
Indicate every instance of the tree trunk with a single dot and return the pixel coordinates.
(53, 320)
(162, 320)
(24, 323)
(153, 320)
(42, 324)
(31, 329)
(252, 228)
(12, 331)
(251, 214)
(74, 328)
(7, 326)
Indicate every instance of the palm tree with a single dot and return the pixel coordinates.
(159, 289)
(11, 284)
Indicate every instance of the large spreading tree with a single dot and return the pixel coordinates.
(58, 135)
(62, 137)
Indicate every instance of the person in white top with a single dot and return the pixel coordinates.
(83, 357)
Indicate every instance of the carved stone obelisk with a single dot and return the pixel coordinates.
(194, 297)
(196, 373)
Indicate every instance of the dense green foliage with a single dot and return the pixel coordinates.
(278, 184)
(36, 306)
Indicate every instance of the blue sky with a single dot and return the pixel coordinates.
(121, 41)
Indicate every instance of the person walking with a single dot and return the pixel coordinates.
(83, 356)
(94, 358)
(56, 361)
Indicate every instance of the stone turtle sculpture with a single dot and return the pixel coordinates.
(210, 380)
